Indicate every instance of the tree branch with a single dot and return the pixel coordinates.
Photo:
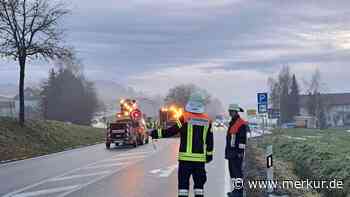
(32, 27)
(24, 21)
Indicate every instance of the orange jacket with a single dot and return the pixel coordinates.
(234, 128)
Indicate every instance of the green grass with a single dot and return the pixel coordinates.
(43, 137)
(316, 154)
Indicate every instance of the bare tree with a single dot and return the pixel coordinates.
(280, 89)
(29, 29)
(180, 94)
(317, 102)
(314, 85)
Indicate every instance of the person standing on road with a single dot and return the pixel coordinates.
(196, 146)
(150, 123)
(236, 139)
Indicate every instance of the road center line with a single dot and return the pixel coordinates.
(15, 192)
(103, 166)
(47, 191)
(131, 154)
(124, 158)
(79, 176)
(95, 180)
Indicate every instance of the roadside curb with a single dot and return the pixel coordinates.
(10, 161)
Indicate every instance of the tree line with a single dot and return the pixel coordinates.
(284, 94)
(68, 96)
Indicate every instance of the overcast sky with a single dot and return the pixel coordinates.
(229, 47)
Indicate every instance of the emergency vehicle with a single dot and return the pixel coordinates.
(168, 115)
(129, 127)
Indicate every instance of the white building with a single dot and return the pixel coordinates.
(337, 108)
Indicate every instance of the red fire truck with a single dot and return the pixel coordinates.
(129, 128)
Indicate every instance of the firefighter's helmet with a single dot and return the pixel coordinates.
(235, 107)
(195, 104)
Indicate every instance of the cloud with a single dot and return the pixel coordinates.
(228, 85)
(229, 46)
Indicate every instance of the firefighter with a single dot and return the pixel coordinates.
(150, 123)
(196, 146)
(235, 147)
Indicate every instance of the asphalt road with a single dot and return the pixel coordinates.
(93, 171)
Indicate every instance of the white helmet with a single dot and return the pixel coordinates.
(235, 107)
(195, 104)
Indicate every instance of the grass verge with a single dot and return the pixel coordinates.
(255, 169)
(314, 155)
(43, 137)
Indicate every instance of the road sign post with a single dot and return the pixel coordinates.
(263, 109)
(269, 169)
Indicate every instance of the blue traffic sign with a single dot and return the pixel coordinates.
(262, 108)
(262, 98)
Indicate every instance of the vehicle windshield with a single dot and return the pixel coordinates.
(118, 126)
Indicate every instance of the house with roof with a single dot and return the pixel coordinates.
(337, 108)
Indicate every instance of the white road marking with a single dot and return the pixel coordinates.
(50, 155)
(16, 192)
(125, 158)
(61, 175)
(168, 171)
(136, 153)
(156, 171)
(103, 166)
(79, 176)
(46, 191)
(95, 180)
(164, 172)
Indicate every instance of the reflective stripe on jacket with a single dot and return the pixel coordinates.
(196, 137)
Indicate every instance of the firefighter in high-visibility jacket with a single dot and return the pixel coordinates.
(236, 139)
(196, 146)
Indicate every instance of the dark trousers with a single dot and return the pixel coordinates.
(236, 171)
(197, 170)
